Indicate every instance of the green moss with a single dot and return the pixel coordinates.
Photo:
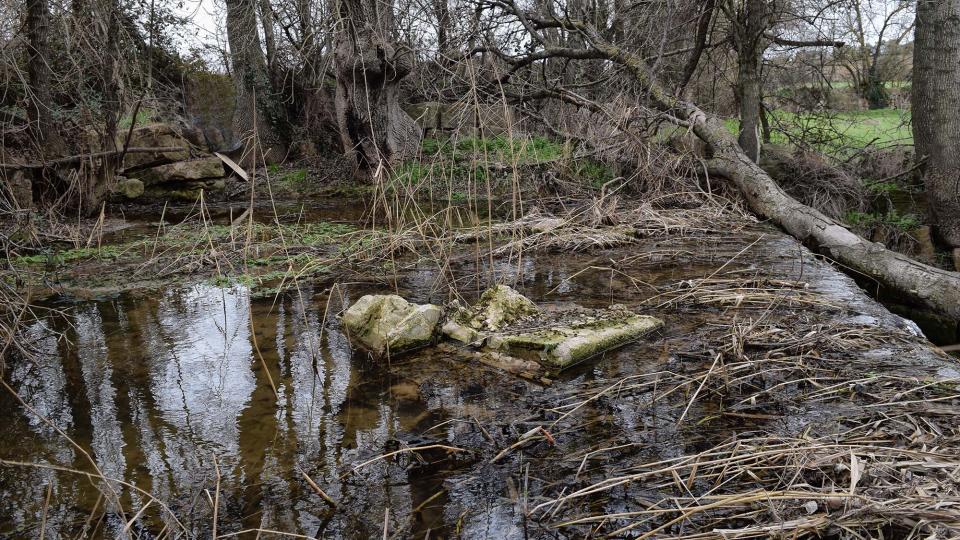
(68, 256)
(561, 347)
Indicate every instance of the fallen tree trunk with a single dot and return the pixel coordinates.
(73, 160)
(934, 288)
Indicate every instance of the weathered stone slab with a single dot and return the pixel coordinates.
(498, 306)
(459, 331)
(153, 136)
(388, 325)
(184, 191)
(563, 346)
(181, 171)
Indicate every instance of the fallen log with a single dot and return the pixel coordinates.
(933, 288)
(926, 285)
(72, 160)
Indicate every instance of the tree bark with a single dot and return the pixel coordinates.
(269, 38)
(936, 111)
(42, 127)
(111, 105)
(257, 109)
(749, 38)
(369, 64)
(441, 10)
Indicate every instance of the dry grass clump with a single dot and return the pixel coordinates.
(744, 293)
(816, 182)
(831, 442)
(606, 223)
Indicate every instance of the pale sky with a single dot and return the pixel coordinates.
(203, 24)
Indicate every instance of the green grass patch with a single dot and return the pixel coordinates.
(143, 118)
(893, 218)
(412, 174)
(499, 148)
(889, 85)
(839, 133)
(194, 239)
(452, 166)
(292, 179)
(594, 173)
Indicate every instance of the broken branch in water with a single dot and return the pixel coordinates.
(323, 494)
(450, 449)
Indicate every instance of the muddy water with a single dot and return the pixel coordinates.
(205, 398)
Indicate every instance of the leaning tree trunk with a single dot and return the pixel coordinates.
(932, 287)
(258, 114)
(936, 111)
(369, 64)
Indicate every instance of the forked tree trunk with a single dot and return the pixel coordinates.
(936, 111)
(369, 63)
(257, 109)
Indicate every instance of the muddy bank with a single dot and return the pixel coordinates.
(772, 375)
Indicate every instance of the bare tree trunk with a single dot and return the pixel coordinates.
(42, 128)
(111, 109)
(257, 110)
(936, 110)
(749, 96)
(369, 65)
(269, 39)
(441, 10)
(748, 37)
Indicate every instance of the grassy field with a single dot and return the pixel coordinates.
(840, 132)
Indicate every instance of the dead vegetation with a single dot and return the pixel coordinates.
(828, 440)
